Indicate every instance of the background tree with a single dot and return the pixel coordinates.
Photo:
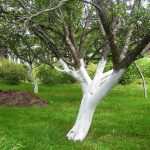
(18, 42)
(23, 45)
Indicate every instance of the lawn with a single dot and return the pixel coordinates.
(121, 121)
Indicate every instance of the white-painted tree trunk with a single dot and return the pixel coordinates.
(33, 78)
(92, 96)
(93, 92)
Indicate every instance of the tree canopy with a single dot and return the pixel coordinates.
(72, 30)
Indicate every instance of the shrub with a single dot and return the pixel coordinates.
(46, 75)
(91, 69)
(145, 66)
(130, 75)
(11, 73)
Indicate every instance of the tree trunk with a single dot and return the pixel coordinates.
(33, 79)
(91, 97)
(36, 89)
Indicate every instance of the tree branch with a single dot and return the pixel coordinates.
(127, 43)
(60, 4)
(132, 56)
(108, 30)
(143, 80)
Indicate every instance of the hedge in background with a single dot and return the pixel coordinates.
(130, 75)
(11, 73)
(47, 75)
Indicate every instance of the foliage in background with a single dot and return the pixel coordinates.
(145, 67)
(11, 73)
(91, 69)
(131, 74)
(46, 75)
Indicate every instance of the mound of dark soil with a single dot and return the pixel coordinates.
(20, 98)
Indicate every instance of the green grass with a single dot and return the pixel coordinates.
(121, 121)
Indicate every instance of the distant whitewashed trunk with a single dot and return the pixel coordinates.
(10, 59)
(93, 92)
(13, 59)
(18, 61)
(33, 79)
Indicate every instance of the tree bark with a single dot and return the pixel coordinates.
(33, 78)
(143, 80)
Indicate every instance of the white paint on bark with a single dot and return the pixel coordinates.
(80, 75)
(93, 92)
(33, 79)
(99, 73)
(90, 100)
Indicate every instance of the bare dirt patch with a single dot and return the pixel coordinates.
(20, 98)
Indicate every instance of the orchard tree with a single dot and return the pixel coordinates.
(19, 43)
(23, 45)
(77, 32)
